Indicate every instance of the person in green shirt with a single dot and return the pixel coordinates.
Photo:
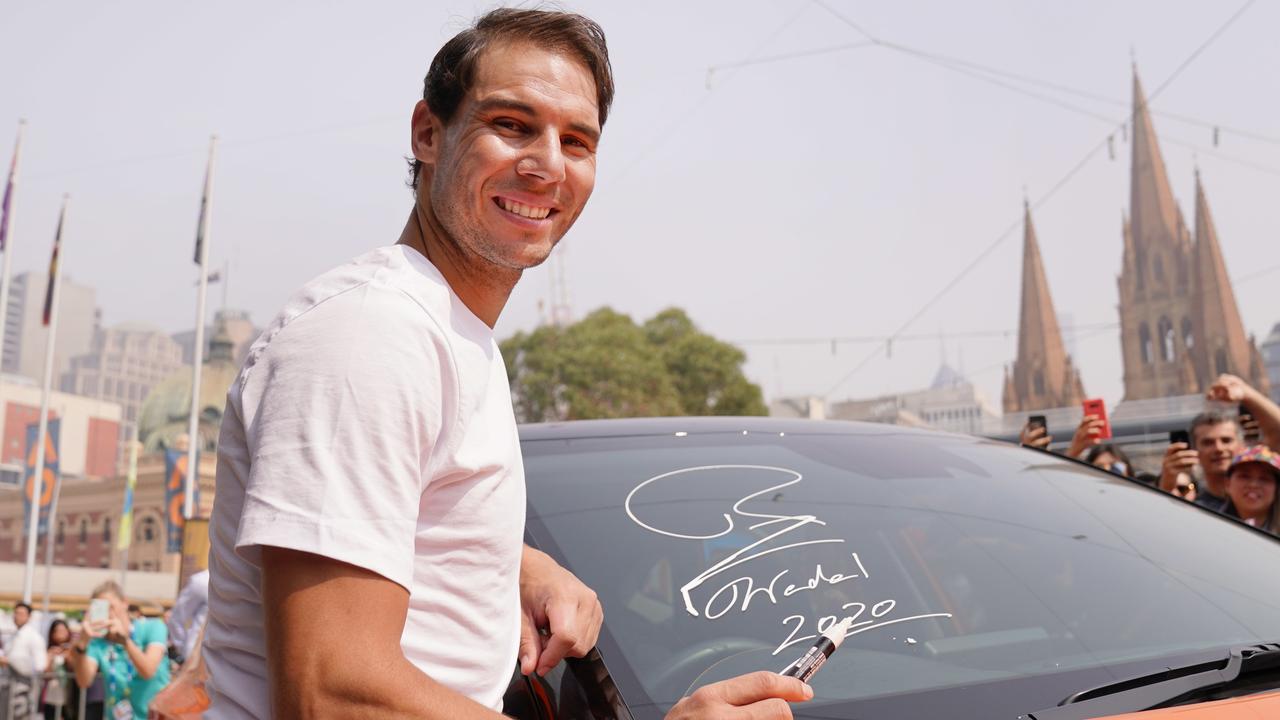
(132, 656)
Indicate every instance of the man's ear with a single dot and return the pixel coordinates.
(427, 132)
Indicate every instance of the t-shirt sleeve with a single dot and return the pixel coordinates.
(342, 411)
(153, 632)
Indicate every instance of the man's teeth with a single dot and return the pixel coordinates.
(534, 213)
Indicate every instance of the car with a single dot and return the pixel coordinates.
(984, 580)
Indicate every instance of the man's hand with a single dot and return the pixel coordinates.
(553, 600)
(759, 696)
(118, 630)
(1086, 436)
(1229, 389)
(1036, 436)
(1178, 460)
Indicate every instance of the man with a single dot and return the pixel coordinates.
(1217, 439)
(186, 619)
(131, 654)
(26, 654)
(366, 556)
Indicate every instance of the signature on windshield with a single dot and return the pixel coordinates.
(739, 592)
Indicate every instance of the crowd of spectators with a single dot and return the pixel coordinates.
(118, 660)
(1228, 462)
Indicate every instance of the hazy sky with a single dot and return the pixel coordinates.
(816, 196)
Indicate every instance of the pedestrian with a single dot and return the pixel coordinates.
(366, 555)
(26, 652)
(55, 694)
(130, 654)
(1251, 488)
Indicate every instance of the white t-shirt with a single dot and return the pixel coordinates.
(372, 423)
(27, 652)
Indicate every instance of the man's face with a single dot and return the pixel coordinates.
(20, 616)
(1217, 444)
(1252, 488)
(516, 164)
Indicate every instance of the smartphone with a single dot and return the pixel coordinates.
(1037, 421)
(99, 610)
(1098, 408)
(1180, 436)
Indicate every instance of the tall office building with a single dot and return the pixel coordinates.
(124, 364)
(25, 334)
(238, 327)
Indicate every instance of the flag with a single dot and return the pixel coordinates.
(126, 515)
(8, 192)
(50, 476)
(175, 472)
(203, 220)
(53, 269)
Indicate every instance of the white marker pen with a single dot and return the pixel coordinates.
(827, 642)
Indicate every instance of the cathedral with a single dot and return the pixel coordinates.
(1179, 324)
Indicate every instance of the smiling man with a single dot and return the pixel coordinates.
(366, 556)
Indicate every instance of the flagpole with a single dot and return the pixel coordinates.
(48, 543)
(202, 257)
(126, 517)
(6, 225)
(55, 280)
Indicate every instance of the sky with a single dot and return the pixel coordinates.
(764, 167)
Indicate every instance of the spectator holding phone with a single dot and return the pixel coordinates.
(1251, 488)
(1215, 439)
(131, 654)
(1088, 433)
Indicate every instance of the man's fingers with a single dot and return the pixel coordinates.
(555, 650)
(530, 645)
(762, 685)
(773, 709)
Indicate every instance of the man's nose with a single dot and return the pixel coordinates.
(543, 159)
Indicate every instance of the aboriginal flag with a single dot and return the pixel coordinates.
(53, 269)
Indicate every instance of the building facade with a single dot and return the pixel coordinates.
(124, 364)
(1043, 375)
(25, 334)
(950, 403)
(1271, 356)
(87, 439)
(1179, 324)
(236, 324)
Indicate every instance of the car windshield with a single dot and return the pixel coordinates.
(967, 565)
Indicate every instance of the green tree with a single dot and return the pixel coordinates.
(605, 366)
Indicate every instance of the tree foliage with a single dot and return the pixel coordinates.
(606, 366)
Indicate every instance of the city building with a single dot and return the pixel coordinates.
(809, 407)
(1271, 356)
(239, 329)
(949, 403)
(25, 334)
(1043, 375)
(124, 364)
(87, 437)
(1179, 324)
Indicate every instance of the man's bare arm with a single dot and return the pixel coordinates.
(333, 645)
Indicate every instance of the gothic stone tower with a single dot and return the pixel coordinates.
(1043, 376)
(1179, 324)
(1156, 313)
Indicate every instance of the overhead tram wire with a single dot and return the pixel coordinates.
(932, 337)
(986, 252)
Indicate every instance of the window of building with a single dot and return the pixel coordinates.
(106, 531)
(1220, 361)
(1038, 382)
(1167, 340)
(1188, 338)
(1158, 267)
(1144, 343)
(108, 387)
(147, 530)
(84, 532)
(62, 532)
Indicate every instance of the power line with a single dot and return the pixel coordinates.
(986, 252)
(966, 334)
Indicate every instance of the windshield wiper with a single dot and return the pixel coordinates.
(1166, 688)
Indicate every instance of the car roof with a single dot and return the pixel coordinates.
(578, 429)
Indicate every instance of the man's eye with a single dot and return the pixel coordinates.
(508, 124)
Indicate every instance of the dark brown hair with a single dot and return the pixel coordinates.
(1209, 419)
(452, 70)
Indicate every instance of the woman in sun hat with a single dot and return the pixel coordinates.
(1251, 488)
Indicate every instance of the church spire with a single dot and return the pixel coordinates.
(1043, 376)
(1152, 210)
(1223, 345)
